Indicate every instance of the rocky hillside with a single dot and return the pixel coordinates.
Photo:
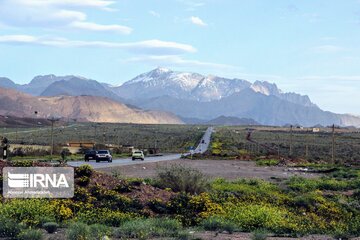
(82, 108)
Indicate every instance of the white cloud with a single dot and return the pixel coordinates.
(153, 47)
(65, 3)
(328, 49)
(56, 14)
(191, 5)
(198, 21)
(101, 28)
(154, 14)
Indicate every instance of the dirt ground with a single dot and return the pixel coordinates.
(229, 169)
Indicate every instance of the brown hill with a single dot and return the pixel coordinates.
(82, 108)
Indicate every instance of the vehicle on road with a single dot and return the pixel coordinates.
(90, 155)
(137, 154)
(103, 155)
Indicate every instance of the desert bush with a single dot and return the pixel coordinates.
(30, 234)
(112, 200)
(250, 217)
(191, 210)
(9, 228)
(182, 179)
(84, 171)
(83, 181)
(50, 227)
(158, 206)
(98, 231)
(148, 228)
(104, 216)
(63, 209)
(78, 231)
(267, 162)
(259, 234)
(216, 223)
(253, 190)
(32, 212)
(306, 185)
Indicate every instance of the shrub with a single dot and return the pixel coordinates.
(184, 235)
(104, 216)
(182, 179)
(98, 231)
(325, 183)
(84, 171)
(148, 228)
(83, 181)
(22, 163)
(250, 191)
(218, 224)
(157, 206)
(32, 212)
(9, 228)
(78, 231)
(267, 162)
(249, 217)
(30, 234)
(190, 210)
(259, 234)
(50, 227)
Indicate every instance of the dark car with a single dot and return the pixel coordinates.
(90, 155)
(103, 155)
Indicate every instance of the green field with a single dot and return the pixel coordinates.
(315, 147)
(168, 138)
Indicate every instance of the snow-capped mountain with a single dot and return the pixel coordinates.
(194, 86)
(270, 89)
(195, 96)
(159, 82)
(214, 88)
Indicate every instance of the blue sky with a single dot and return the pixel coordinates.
(310, 46)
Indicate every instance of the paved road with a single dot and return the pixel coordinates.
(125, 161)
(204, 142)
(201, 148)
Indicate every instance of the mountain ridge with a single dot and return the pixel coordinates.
(195, 96)
(82, 108)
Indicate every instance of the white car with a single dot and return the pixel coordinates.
(103, 155)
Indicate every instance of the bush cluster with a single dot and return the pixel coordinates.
(182, 179)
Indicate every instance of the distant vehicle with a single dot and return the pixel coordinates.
(203, 141)
(137, 154)
(103, 155)
(90, 155)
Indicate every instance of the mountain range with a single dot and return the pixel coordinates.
(194, 97)
(80, 108)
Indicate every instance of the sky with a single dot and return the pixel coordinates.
(310, 47)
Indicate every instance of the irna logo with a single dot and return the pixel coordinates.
(18, 180)
(38, 182)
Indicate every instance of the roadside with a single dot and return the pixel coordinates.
(228, 169)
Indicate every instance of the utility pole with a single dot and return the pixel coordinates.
(333, 145)
(52, 120)
(291, 140)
